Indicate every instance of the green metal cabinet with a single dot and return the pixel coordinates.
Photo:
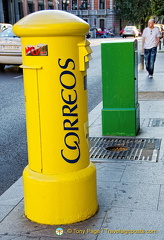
(120, 113)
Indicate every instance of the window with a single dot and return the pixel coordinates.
(8, 33)
(101, 4)
(84, 5)
(65, 4)
(40, 6)
(20, 7)
(74, 4)
(102, 23)
(30, 7)
(50, 7)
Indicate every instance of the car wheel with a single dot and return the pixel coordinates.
(2, 66)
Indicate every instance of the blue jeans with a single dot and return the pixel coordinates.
(150, 56)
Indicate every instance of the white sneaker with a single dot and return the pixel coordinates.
(150, 76)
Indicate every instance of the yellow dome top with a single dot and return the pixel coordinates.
(50, 23)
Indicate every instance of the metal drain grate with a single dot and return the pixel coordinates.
(146, 149)
(156, 122)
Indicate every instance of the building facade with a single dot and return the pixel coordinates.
(98, 13)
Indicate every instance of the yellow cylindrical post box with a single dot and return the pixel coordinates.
(60, 180)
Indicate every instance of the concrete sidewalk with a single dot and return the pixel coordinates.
(130, 193)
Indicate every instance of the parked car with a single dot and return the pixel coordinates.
(10, 49)
(139, 32)
(99, 32)
(3, 26)
(130, 31)
(121, 32)
(96, 32)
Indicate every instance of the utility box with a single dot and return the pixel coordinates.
(120, 113)
(59, 181)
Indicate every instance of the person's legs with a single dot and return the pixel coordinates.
(147, 59)
(152, 60)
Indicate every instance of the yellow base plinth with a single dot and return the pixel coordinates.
(60, 199)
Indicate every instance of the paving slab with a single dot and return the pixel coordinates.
(111, 172)
(15, 224)
(128, 219)
(129, 195)
(145, 172)
(161, 199)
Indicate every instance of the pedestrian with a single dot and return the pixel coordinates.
(111, 32)
(150, 39)
(104, 33)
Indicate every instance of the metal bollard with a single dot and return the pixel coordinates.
(160, 45)
(141, 61)
(60, 180)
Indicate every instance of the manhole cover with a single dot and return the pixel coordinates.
(146, 149)
(117, 148)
